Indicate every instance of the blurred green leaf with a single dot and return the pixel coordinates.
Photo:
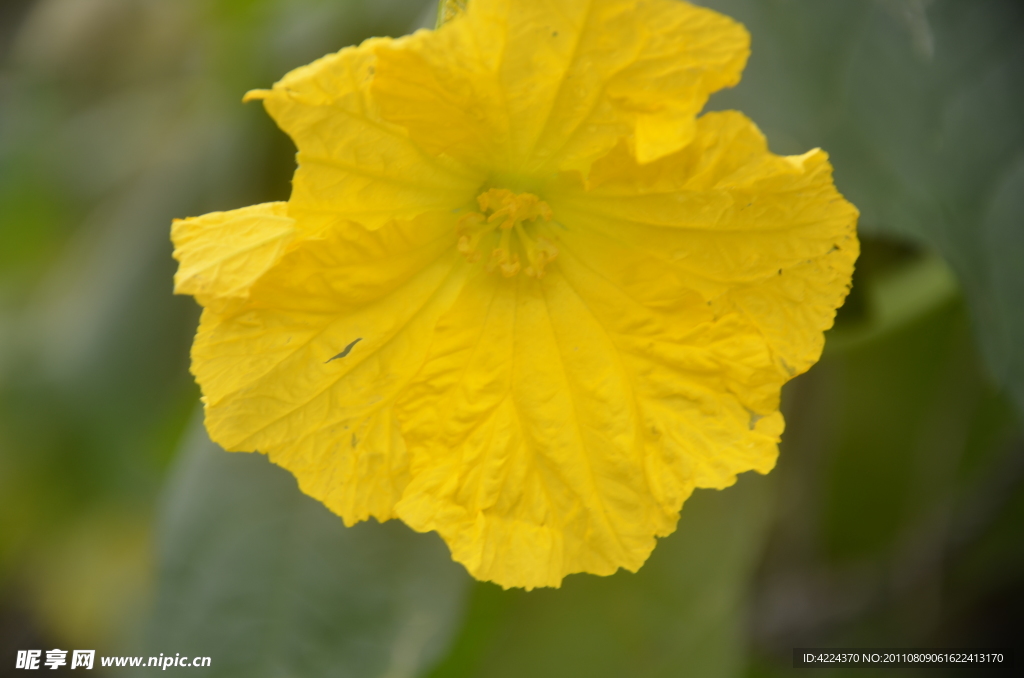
(267, 582)
(907, 404)
(919, 104)
(681, 614)
(1003, 229)
(892, 297)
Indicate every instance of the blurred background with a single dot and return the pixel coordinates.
(895, 517)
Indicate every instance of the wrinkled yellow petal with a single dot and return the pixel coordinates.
(222, 254)
(522, 88)
(693, 372)
(353, 165)
(764, 237)
(527, 451)
(307, 370)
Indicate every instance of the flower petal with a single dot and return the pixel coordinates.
(763, 237)
(694, 373)
(527, 87)
(307, 369)
(222, 254)
(353, 165)
(558, 426)
(527, 454)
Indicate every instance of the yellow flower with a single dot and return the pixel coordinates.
(521, 294)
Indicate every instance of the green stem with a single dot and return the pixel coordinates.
(448, 10)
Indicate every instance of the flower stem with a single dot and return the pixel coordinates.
(448, 10)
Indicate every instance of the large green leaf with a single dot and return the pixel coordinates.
(267, 582)
(920, 105)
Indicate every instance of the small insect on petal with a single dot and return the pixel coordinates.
(346, 351)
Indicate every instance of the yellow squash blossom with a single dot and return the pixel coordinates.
(522, 294)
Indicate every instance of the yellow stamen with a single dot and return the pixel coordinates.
(508, 213)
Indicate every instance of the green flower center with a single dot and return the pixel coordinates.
(508, 222)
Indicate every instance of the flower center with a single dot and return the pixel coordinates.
(506, 222)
